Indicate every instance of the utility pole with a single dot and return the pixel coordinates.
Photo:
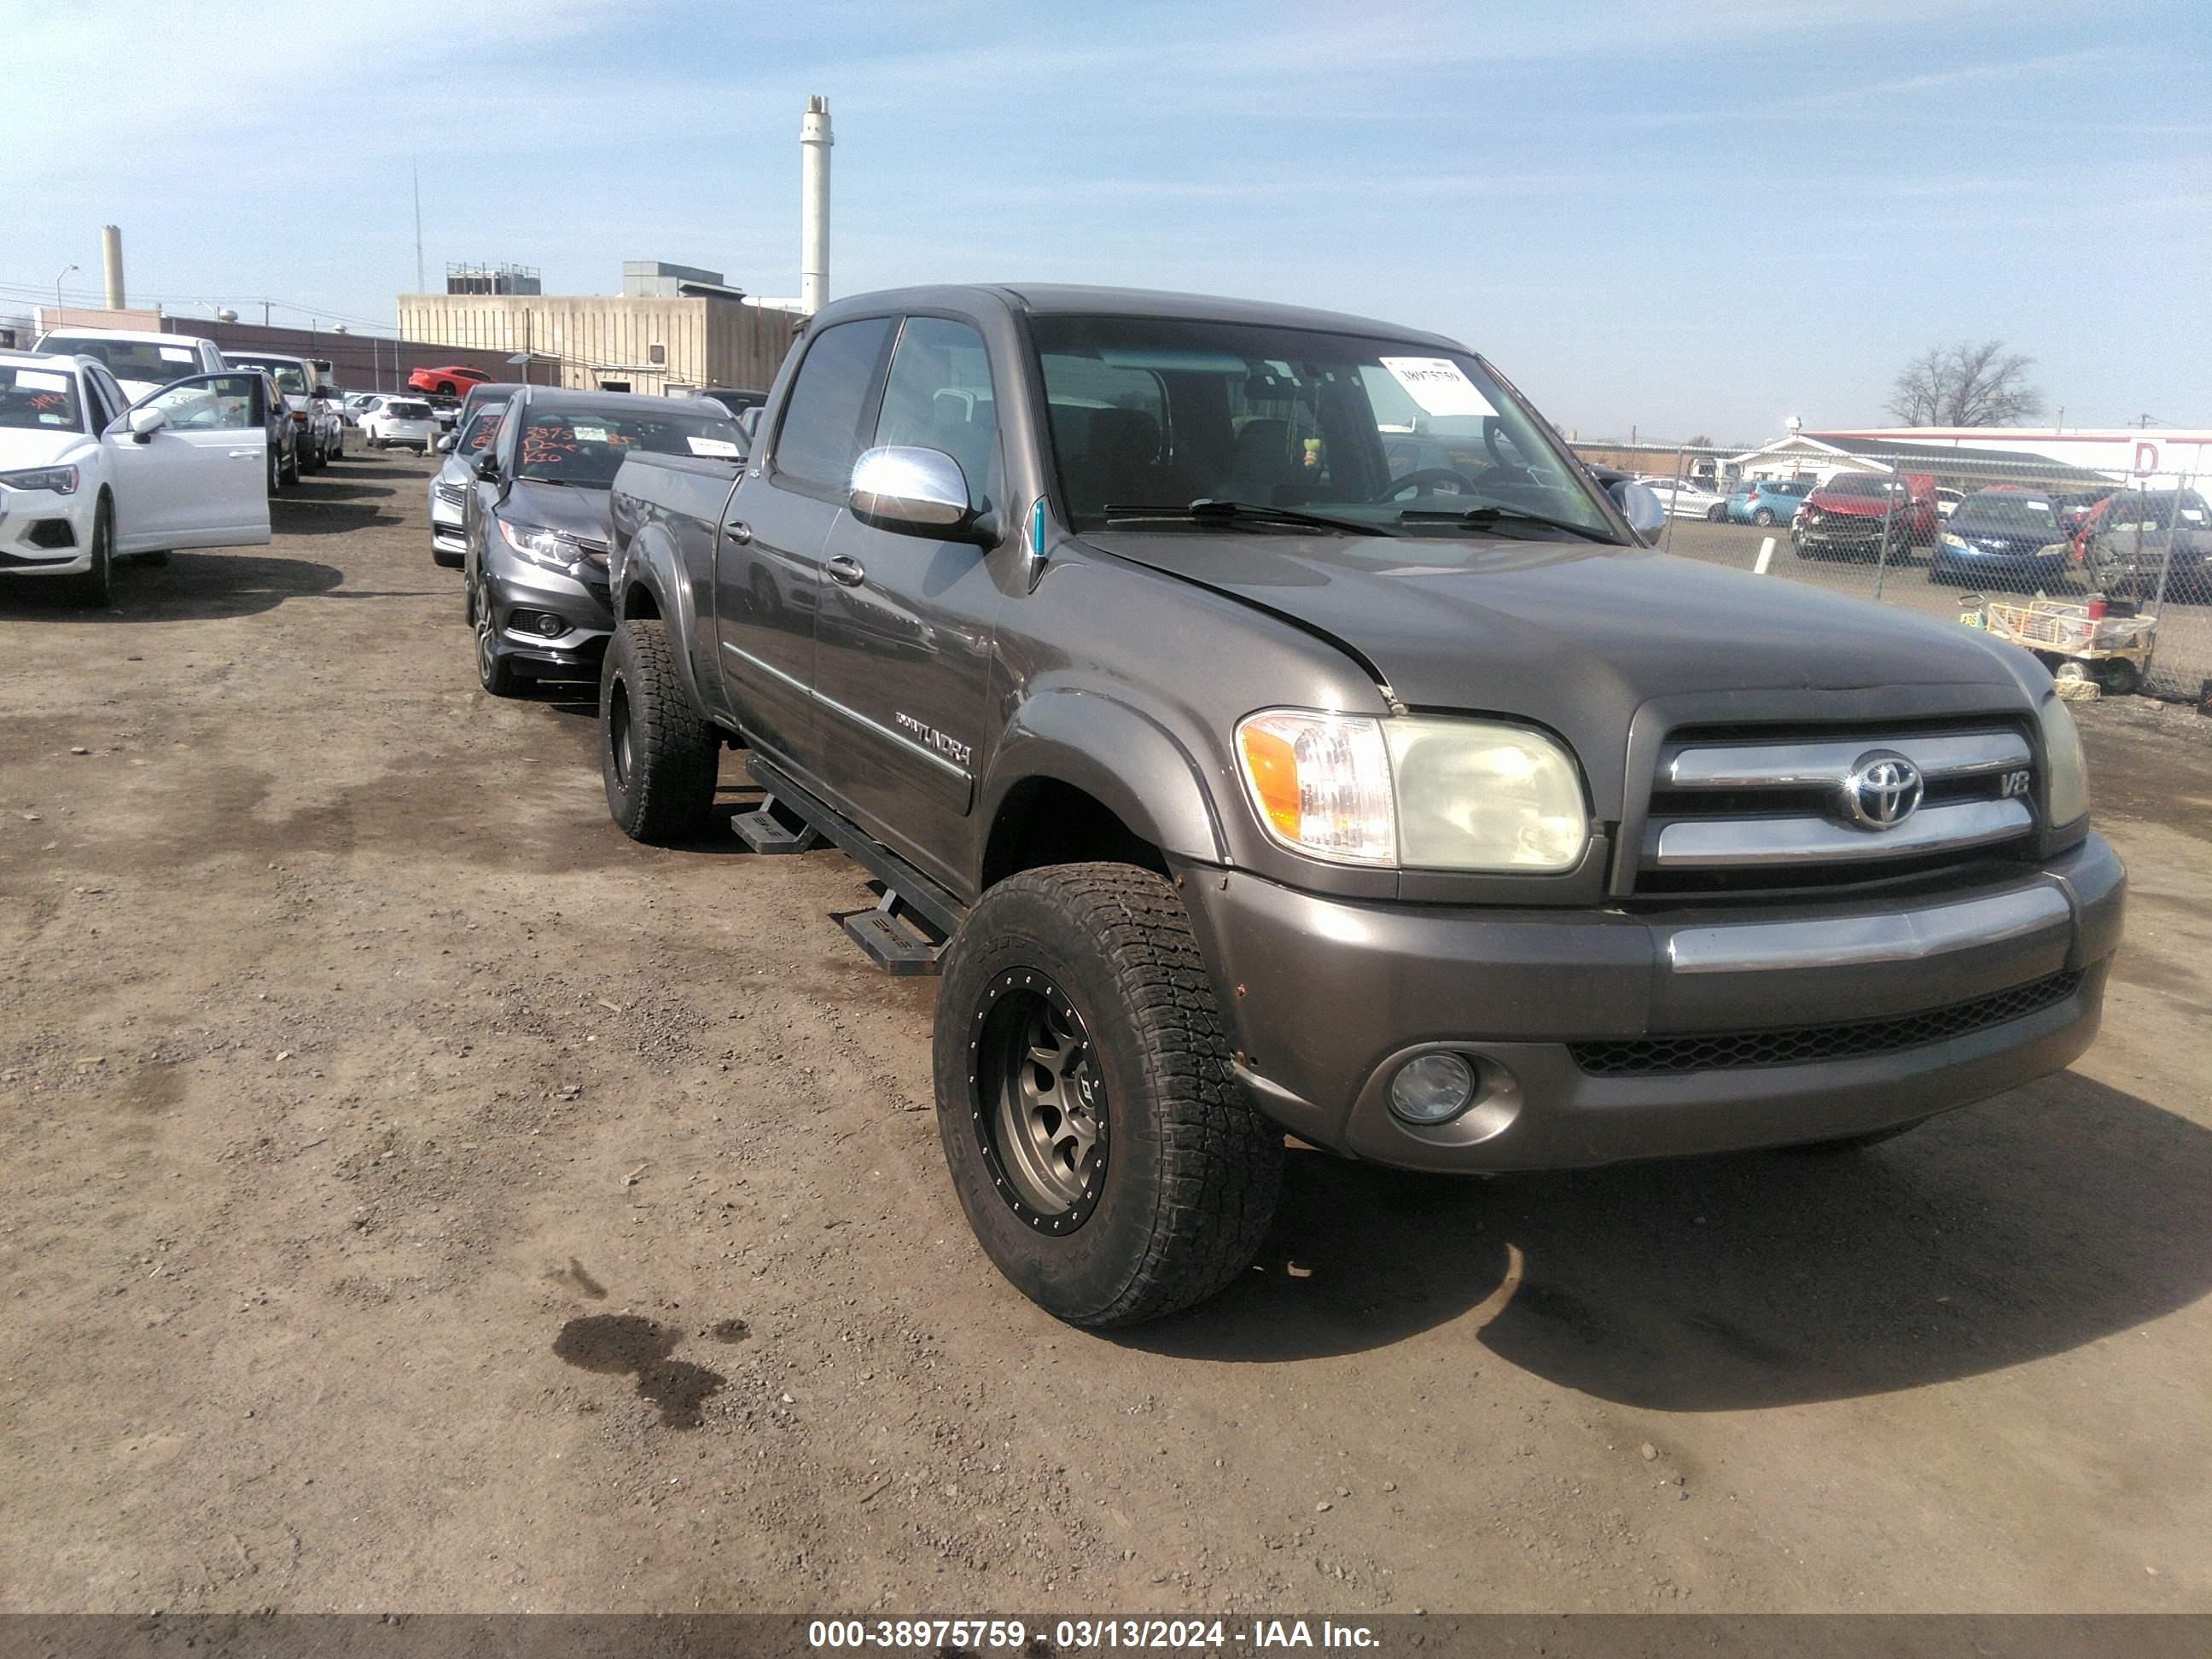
(419, 287)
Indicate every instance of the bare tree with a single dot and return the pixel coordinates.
(1966, 385)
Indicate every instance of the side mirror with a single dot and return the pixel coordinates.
(913, 492)
(446, 443)
(145, 423)
(1640, 506)
(487, 468)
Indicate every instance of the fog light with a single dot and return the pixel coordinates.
(549, 625)
(1432, 1089)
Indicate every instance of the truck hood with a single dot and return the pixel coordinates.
(1532, 629)
(567, 508)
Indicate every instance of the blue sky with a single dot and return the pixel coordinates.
(1682, 217)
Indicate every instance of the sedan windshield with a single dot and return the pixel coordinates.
(586, 446)
(41, 399)
(128, 359)
(1156, 412)
(2007, 511)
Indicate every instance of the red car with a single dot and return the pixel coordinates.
(452, 381)
(1848, 515)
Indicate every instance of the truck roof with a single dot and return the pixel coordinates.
(1064, 299)
(140, 336)
(551, 397)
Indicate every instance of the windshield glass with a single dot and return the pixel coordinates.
(128, 359)
(482, 430)
(291, 379)
(41, 400)
(1161, 412)
(1855, 483)
(586, 446)
(2000, 510)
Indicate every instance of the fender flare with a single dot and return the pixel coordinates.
(651, 562)
(1137, 768)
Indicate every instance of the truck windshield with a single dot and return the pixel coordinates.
(290, 379)
(143, 361)
(1161, 412)
(586, 446)
(41, 400)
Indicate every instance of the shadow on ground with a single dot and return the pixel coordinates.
(220, 582)
(2026, 1226)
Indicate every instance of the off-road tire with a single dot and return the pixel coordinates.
(96, 586)
(1192, 1173)
(657, 756)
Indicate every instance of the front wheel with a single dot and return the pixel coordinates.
(658, 757)
(494, 672)
(1102, 1147)
(1717, 515)
(96, 586)
(288, 470)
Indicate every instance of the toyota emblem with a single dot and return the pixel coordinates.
(1882, 791)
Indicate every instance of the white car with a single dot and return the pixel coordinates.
(87, 477)
(450, 484)
(1684, 498)
(401, 423)
(142, 362)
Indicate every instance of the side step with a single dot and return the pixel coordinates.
(897, 938)
(769, 828)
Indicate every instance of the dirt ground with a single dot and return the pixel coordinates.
(413, 1195)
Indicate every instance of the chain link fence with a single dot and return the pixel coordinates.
(2109, 582)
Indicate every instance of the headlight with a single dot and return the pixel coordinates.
(62, 480)
(1958, 542)
(1417, 792)
(547, 547)
(2069, 772)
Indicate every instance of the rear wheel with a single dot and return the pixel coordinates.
(659, 759)
(1763, 517)
(1101, 1145)
(288, 470)
(1717, 515)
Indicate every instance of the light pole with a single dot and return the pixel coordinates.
(59, 275)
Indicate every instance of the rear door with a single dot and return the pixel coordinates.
(199, 480)
(902, 650)
(768, 562)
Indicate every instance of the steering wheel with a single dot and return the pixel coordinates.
(1398, 487)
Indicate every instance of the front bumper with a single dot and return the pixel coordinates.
(1324, 998)
(31, 520)
(522, 590)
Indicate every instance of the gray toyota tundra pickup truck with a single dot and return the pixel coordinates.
(1265, 725)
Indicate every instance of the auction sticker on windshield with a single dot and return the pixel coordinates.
(174, 354)
(714, 447)
(591, 434)
(37, 380)
(1438, 385)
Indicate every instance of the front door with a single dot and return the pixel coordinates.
(201, 478)
(903, 651)
(768, 562)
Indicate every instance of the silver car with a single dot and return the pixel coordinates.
(449, 489)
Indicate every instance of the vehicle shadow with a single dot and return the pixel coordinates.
(2025, 1226)
(328, 517)
(191, 585)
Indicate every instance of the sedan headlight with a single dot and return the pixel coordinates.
(2069, 771)
(541, 546)
(62, 480)
(1414, 792)
(1958, 542)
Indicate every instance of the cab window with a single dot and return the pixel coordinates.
(819, 438)
(939, 397)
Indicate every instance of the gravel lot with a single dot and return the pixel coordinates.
(413, 1195)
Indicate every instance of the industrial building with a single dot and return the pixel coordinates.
(672, 329)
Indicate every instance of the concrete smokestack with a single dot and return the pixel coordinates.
(110, 259)
(814, 142)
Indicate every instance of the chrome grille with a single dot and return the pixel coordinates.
(1734, 811)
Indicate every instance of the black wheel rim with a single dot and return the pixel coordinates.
(619, 737)
(1037, 1101)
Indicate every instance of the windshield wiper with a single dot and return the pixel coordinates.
(1206, 510)
(1499, 518)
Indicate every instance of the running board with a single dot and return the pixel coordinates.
(897, 940)
(907, 929)
(768, 828)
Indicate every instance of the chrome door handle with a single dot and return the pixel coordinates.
(739, 534)
(245, 455)
(845, 570)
